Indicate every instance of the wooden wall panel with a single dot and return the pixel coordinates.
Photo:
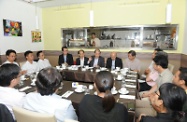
(184, 60)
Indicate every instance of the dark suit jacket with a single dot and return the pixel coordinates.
(85, 61)
(92, 105)
(5, 115)
(100, 63)
(69, 59)
(161, 117)
(118, 63)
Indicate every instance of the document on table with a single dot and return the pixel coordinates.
(67, 94)
(130, 80)
(25, 88)
(127, 97)
(130, 86)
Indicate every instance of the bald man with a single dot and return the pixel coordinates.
(114, 61)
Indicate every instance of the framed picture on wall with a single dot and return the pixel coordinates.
(36, 36)
(12, 28)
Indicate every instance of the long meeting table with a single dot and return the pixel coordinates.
(86, 78)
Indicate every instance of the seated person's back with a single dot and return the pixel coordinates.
(9, 78)
(45, 100)
(91, 110)
(102, 107)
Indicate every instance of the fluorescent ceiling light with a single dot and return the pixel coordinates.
(35, 1)
(168, 13)
(91, 18)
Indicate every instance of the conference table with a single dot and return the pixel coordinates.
(68, 92)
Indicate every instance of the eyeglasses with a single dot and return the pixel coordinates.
(159, 97)
(157, 93)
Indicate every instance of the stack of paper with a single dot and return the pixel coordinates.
(25, 88)
(130, 86)
(130, 80)
(127, 97)
(67, 94)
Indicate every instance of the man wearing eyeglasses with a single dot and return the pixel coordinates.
(165, 76)
(180, 79)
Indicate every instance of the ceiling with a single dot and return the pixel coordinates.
(52, 3)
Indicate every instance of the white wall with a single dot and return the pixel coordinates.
(25, 13)
(185, 34)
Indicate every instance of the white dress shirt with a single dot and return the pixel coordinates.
(113, 65)
(51, 104)
(95, 62)
(8, 62)
(82, 61)
(11, 97)
(43, 63)
(31, 68)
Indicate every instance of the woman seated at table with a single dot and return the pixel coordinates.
(102, 107)
(45, 100)
(168, 102)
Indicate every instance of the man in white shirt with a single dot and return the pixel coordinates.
(11, 56)
(9, 78)
(42, 62)
(45, 100)
(95, 41)
(30, 66)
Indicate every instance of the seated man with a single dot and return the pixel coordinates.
(150, 68)
(132, 62)
(65, 58)
(165, 76)
(42, 62)
(30, 66)
(96, 60)
(180, 79)
(9, 78)
(114, 61)
(151, 73)
(45, 100)
(82, 60)
(11, 56)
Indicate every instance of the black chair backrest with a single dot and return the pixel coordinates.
(5, 115)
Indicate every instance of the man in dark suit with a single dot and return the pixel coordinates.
(114, 61)
(82, 60)
(65, 58)
(96, 60)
